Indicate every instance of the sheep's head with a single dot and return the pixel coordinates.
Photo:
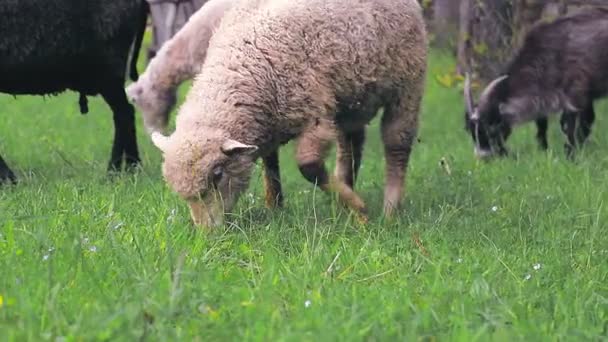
(488, 127)
(208, 172)
(154, 101)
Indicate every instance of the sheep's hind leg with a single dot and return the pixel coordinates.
(125, 141)
(272, 180)
(312, 149)
(6, 175)
(541, 133)
(349, 150)
(399, 129)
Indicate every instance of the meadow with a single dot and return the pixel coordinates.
(514, 249)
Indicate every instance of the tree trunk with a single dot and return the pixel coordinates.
(485, 37)
(526, 14)
(445, 22)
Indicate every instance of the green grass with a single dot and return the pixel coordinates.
(85, 257)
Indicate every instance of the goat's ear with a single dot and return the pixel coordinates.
(232, 147)
(507, 112)
(503, 108)
(160, 141)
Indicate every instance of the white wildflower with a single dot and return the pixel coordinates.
(307, 303)
(117, 225)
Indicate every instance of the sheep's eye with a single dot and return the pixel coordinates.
(217, 175)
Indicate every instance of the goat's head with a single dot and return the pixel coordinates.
(484, 121)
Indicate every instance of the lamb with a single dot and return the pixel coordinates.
(311, 70)
(562, 66)
(49, 46)
(178, 60)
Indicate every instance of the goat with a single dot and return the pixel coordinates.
(561, 66)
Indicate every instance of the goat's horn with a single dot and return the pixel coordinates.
(492, 87)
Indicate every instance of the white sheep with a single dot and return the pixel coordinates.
(311, 70)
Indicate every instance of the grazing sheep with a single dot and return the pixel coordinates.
(48, 46)
(179, 60)
(562, 66)
(306, 69)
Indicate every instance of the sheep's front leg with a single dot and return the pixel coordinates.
(541, 133)
(349, 150)
(312, 149)
(125, 141)
(6, 175)
(399, 128)
(272, 180)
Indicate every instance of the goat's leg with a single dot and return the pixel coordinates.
(586, 119)
(399, 128)
(541, 133)
(349, 150)
(272, 180)
(6, 175)
(312, 148)
(125, 141)
(568, 123)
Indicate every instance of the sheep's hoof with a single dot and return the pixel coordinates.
(362, 218)
(273, 202)
(132, 165)
(272, 198)
(569, 151)
(7, 177)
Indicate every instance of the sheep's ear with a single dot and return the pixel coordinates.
(133, 92)
(232, 147)
(160, 141)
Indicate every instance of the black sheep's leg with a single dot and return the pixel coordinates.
(568, 123)
(586, 120)
(6, 175)
(125, 141)
(541, 133)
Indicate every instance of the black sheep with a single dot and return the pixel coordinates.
(49, 46)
